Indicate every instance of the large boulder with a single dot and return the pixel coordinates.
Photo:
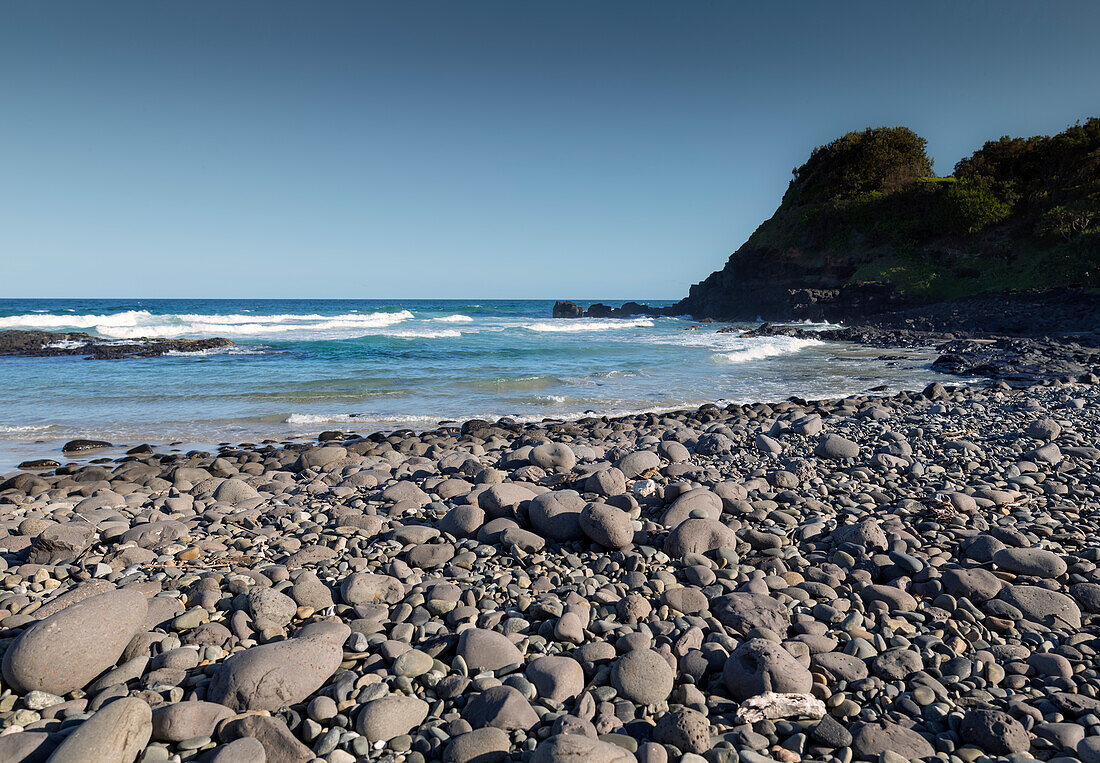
(367, 588)
(699, 501)
(502, 707)
(281, 673)
(391, 716)
(235, 491)
(606, 525)
(574, 748)
(870, 740)
(65, 651)
(556, 677)
(643, 676)
(117, 733)
(487, 650)
(746, 611)
(759, 666)
(1040, 605)
(835, 447)
(553, 455)
(699, 536)
(556, 515)
(185, 720)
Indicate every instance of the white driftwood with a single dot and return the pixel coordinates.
(772, 706)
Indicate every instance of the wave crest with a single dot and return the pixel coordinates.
(572, 325)
(759, 349)
(133, 324)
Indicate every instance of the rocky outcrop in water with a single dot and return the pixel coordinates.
(52, 343)
(563, 309)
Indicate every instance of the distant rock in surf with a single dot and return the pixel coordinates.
(564, 309)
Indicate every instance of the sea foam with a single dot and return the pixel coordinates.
(132, 324)
(570, 325)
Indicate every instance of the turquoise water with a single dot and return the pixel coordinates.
(301, 366)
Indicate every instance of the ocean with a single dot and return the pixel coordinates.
(302, 366)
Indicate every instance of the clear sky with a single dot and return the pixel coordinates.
(472, 149)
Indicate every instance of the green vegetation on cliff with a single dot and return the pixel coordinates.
(1018, 213)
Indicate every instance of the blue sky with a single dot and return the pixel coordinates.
(472, 149)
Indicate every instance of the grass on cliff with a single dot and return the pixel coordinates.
(1018, 213)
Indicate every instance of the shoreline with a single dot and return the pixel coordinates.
(969, 356)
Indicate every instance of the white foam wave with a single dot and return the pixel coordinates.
(368, 420)
(558, 399)
(232, 350)
(309, 419)
(314, 419)
(141, 323)
(570, 325)
(415, 334)
(759, 349)
(454, 319)
(49, 321)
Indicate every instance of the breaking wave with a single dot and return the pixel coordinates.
(759, 349)
(132, 324)
(570, 325)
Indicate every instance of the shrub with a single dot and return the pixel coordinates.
(1069, 221)
(876, 159)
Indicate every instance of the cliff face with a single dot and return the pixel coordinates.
(865, 228)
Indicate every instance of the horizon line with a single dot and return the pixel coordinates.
(374, 299)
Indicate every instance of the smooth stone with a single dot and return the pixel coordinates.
(870, 740)
(483, 649)
(698, 536)
(643, 676)
(556, 678)
(1042, 606)
(383, 719)
(836, 447)
(280, 745)
(606, 525)
(116, 733)
(68, 649)
(502, 707)
(570, 748)
(1037, 562)
(282, 673)
(243, 750)
(487, 745)
(185, 720)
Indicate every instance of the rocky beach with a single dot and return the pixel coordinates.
(328, 432)
(873, 578)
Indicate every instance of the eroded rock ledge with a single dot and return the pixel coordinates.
(51, 343)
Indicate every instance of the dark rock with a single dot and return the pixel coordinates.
(994, 731)
(564, 309)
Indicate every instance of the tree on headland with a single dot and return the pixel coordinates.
(881, 159)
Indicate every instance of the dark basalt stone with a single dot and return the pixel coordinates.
(39, 464)
(81, 446)
(54, 344)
